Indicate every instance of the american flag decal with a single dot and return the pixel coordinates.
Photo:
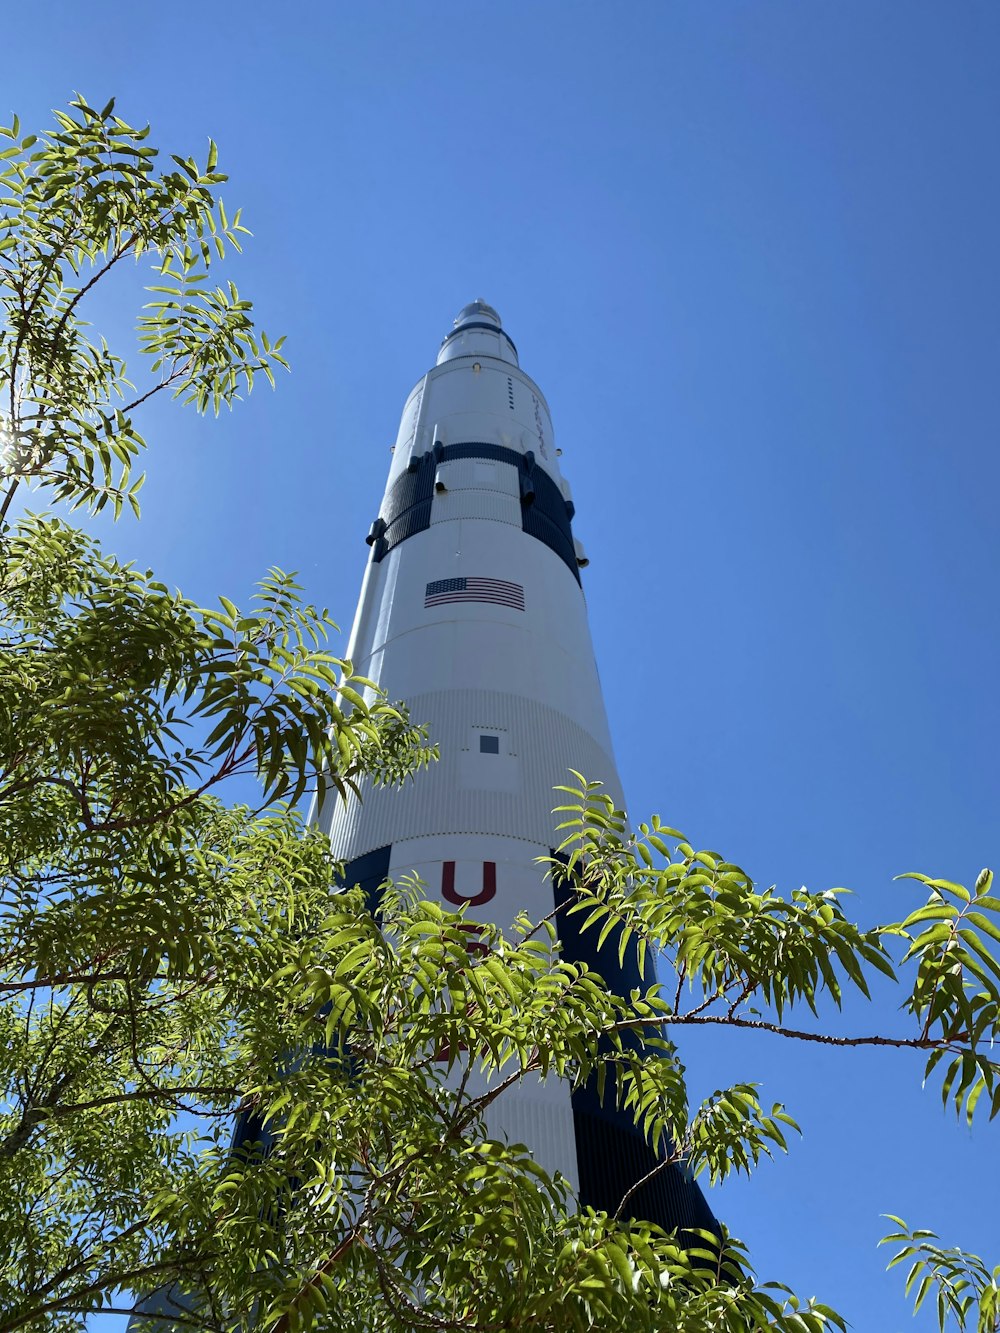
(498, 591)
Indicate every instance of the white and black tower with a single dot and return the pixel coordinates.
(472, 611)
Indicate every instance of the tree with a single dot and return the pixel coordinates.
(174, 967)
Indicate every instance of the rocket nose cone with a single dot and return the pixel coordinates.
(477, 312)
(477, 330)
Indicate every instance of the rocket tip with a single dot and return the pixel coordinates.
(476, 312)
(477, 328)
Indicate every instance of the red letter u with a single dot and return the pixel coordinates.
(451, 894)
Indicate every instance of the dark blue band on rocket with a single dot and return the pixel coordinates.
(611, 1152)
(545, 513)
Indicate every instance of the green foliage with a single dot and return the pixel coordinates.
(172, 967)
(746, 956)
(74, 205)
(723, 936)
(743, 957)
(955, 993)
(139, 917)
(966, 1293)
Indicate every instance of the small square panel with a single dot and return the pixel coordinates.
(489, 744)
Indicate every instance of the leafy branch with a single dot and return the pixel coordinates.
(747, 955)
(74, 204)
(966, 1292)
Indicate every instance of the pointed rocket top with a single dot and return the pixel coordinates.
(477, 328)
(477, 312)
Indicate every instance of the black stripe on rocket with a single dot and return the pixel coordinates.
(546, 514)
(612, 1154)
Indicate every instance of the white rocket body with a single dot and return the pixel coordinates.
(472, 611)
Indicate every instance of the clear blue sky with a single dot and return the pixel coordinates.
(749, 251)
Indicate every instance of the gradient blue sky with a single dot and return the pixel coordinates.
(749, 251)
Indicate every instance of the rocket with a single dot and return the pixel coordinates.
(472, 610)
